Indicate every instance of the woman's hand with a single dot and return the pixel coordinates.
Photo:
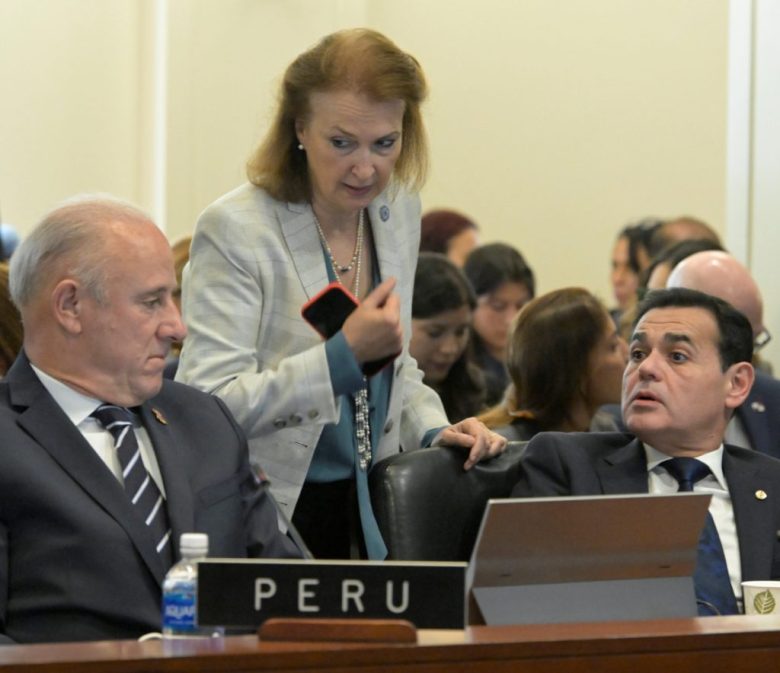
(474, 435)
(373, 329)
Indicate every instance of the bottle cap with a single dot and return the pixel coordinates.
(194, 544)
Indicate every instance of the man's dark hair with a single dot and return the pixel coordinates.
(735, 342)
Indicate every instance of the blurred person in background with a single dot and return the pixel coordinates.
(566, 360)
(449, 233)
(181, 255)
(662, 265)
(9, 240)
(11, 332)
(681, 228)
(503, 283)
(630, 256)
(442, 310)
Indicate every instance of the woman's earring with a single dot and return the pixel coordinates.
(300, 146)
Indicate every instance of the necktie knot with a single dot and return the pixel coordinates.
(687, 471)
(112, 417)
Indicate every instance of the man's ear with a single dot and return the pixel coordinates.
(740, 380)
(66, 301)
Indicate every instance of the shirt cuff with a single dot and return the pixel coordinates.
(345, 374)
(432, 436)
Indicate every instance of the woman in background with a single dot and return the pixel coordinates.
(630, 257)
(566, 360)
(449, 233)
(442, 309)
(503, 283)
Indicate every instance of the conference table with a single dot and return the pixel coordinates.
(733, 644)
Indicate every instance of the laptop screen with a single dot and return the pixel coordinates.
(578, 540)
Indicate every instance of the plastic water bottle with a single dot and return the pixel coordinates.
(180, 592)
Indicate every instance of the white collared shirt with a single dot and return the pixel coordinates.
(78, 407)
(660, 481)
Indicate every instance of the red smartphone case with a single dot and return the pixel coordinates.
(326, 312)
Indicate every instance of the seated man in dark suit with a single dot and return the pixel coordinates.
(104, 465)
(756, 423)
(689, 368)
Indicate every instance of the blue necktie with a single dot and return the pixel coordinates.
(139, 485)
(714, 594)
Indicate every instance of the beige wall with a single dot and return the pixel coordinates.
(69, 109)
(226, 58)
(551, 123)
(551, 128)
(555, 123)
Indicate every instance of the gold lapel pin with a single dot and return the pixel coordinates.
(161, 419)
(761, 495)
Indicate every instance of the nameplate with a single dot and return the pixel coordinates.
(244, 593)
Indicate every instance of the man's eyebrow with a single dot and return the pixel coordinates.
(154, 292)
(672, 338)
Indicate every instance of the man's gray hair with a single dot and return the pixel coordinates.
(72, 234)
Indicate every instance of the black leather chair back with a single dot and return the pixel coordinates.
(429, 508)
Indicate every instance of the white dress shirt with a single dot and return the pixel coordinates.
(660, 481)
(78, 407)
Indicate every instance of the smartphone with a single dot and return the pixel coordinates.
(326, 312)
(328, 309)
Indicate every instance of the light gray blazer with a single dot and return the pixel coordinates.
(254, 263)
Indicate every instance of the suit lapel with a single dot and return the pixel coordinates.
(300, 234)
(752, 413)
(170, 458)
(43, 419)
(384, 228)
(753, 515)
(624, 470)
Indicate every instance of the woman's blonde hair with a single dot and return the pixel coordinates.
(357, 59)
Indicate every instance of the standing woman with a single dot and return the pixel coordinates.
(330, 199)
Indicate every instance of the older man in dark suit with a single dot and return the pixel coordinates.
(104, 465)
(689, 368)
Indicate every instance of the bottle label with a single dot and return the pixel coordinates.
(179, 609)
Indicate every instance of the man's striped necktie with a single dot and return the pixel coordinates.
(139, 485)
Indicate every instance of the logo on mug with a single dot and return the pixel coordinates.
(764, 603)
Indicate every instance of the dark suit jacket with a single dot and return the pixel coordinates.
(76, 562)
(607, 463)
(760, 414)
